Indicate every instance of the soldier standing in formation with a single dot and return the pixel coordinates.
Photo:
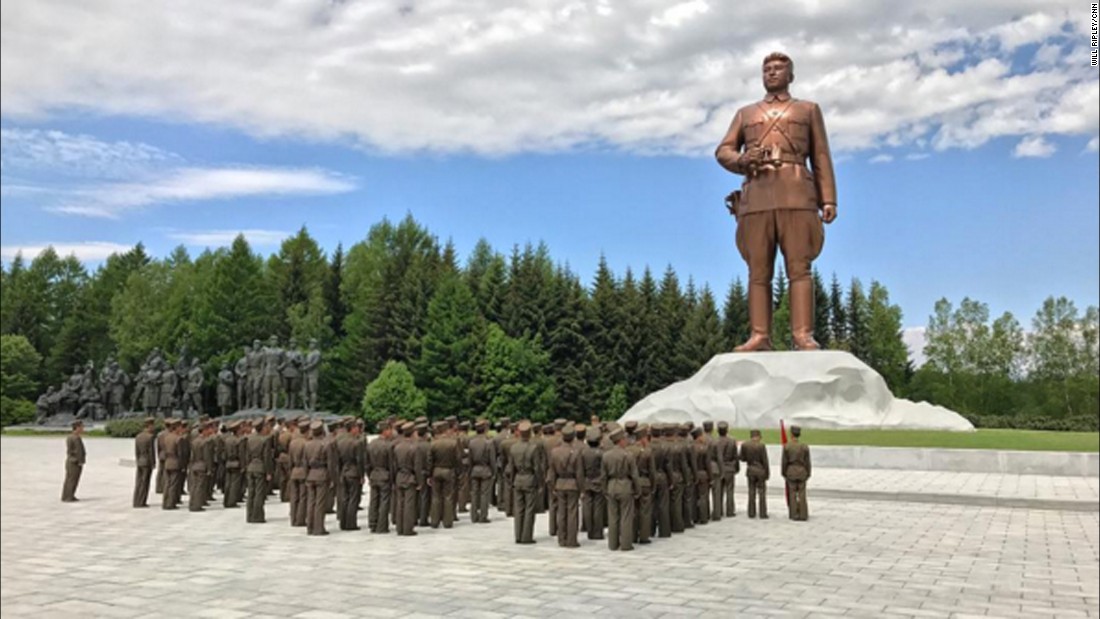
(299, 470)
(795, 468)
(323, 467)
(755, 457)
(145, 457)
(74, 462)
(260, 467)
(567, 475)
(620, 473)
(594, 503)
(444, 458)
(525, 468)
(381, 473)
(483, 472)
(349, 448)
(725, 505)
(174, 466)
(201, 467)
(410, 479)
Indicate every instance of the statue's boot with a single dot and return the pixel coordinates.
(802, 315)
(760, 318)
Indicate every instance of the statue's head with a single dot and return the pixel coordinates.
(777, 72)
(194, 362)
(313, 342)
(293, 343)
(256, 343)
(273, 340)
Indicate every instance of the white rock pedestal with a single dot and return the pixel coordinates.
(819, 389)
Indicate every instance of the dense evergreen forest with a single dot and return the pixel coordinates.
(409, 327)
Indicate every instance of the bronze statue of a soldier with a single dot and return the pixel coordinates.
(783, 201)
(311, 369)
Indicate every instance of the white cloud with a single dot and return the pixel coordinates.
(32, 150)
(193, 184)
(1033, 146)
(86, 251)
(221, 238)
(917, 156)
(552, 75)
(914, 338)
(882, 158)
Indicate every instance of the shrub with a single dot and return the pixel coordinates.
(129, 428)
(13, 411)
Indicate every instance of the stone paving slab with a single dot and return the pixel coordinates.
(101, 558)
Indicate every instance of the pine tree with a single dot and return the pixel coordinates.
(886, 351)
(335, 307)
(515, 376)
(838, 317)
(821, 312)
(735, 316)
(672, 315)
(393, 392)
(606, 332)
(446, 367)
(703, 337)
(651, 367)
(572, 358)
(857, 313)
(234, 304)
(781, 315)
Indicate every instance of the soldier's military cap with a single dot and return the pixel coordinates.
(481, 424)
(420, 420)
(464, 425)
(506, 421)
(407, 428)
(349, 423)
(690, 424)
(269, 418)
(631, 426)
(548, 428)
(450, 419)
(76, 423)
(581, 429)
(317, 425)
(696, 432)
(708, 425)
(258, 422)
(560, 423)
(722, 425)
(593, 435)
(616, 435)
(536, 427)
(568, 431)
(525, 427)
(304, 423)
(754, 432)
(643, 430)
(684, 429)
(334, 425)
(796, 431)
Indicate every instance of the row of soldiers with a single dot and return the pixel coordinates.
(637, 481)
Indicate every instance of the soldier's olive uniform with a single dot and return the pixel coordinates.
(506, 483)
(662, 500)
(173, 472)
(623, 486)
(701, 455)
(643, 508)
(498, 453)
(323, 468)
(381, 473)
(525, 467)
(445, 458)
(261, 465)
(678, 481)
(144, 458)
(731, 466)
(796, 470)
(715, 473)
(594, 503)
(234, 471)
(350, 452)
(424, 464)
(566, 476)
(160, 459)
(483, 473)
(755, 457)
(200, 467)
(296, 486)
(282, 463)
(409, 480)
(74, 466)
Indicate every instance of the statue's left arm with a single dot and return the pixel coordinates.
(821, 160)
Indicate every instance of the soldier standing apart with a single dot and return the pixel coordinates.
(796, 470)
(350, 450)
(380, 472)
(483, 472)
(260, 468)
(144, 457)
(323, 468)
(408, 482)
(725, 505)
(755, 456)
(594, 506)
(623, 489)
(525, 469)
(647, 474)
(74, 462)
(567, 481)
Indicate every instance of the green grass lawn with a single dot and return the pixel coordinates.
(1022, 440)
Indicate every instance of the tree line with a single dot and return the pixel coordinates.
(405, 325)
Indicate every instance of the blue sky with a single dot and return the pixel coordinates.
(965, 140)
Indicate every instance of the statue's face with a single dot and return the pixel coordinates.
(777, 75)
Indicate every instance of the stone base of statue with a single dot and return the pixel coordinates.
(817, 389)
(279, 413)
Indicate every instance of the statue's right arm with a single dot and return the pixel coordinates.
(728, 152)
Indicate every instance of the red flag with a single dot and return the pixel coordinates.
(783, 440)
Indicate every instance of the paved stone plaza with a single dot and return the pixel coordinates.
(855, 557)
